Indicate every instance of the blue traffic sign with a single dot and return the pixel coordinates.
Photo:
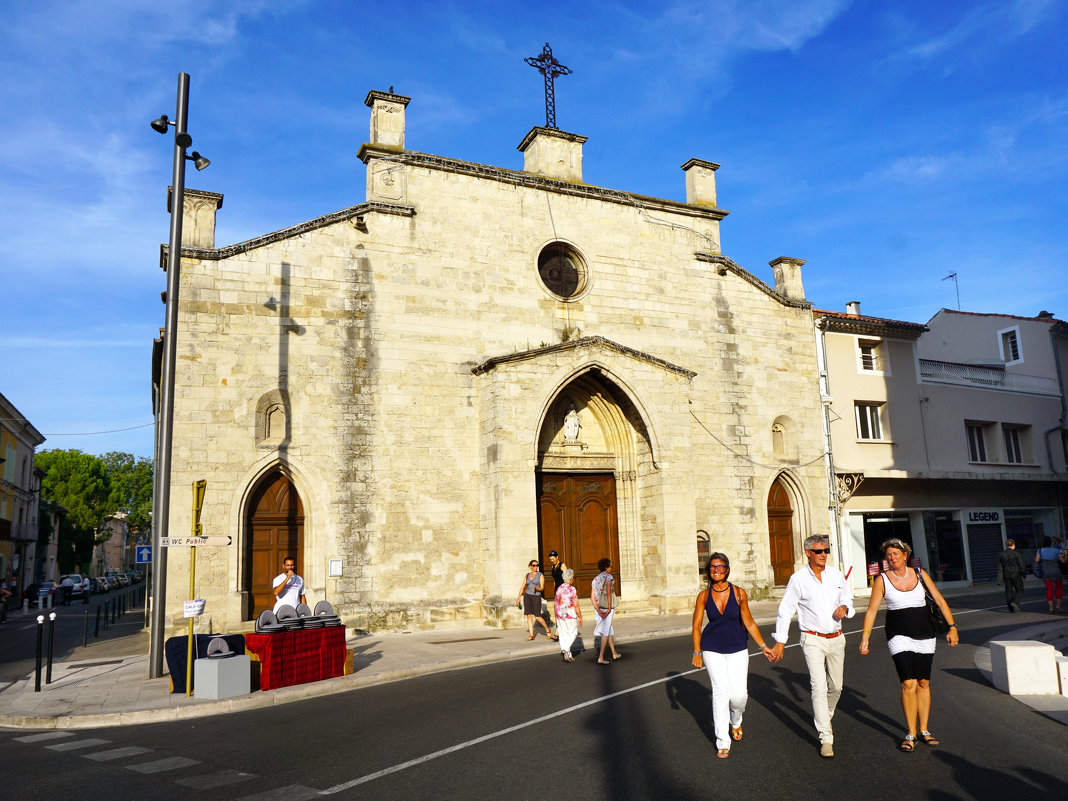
(144, 554)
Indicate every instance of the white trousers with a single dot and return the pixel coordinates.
(826, 665)
(729, 674)
(567, 631)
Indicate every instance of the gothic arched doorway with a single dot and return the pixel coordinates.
(275, 530)
(592, 448)
(781, 533)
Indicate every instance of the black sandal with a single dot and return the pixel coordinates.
(908, 744)
(929, 739)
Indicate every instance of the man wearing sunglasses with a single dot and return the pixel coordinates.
(821, 597)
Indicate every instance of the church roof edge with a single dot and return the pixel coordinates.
(584, 342)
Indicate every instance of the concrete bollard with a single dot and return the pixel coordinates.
(1024, 667)
(1062, 671)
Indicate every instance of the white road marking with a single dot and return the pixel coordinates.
(116, 753)
(160, 765)
(74, 745)
(213, 780)
(49, 735)
(294, 792)
(411, 763)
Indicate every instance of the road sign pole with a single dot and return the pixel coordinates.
(198, 504)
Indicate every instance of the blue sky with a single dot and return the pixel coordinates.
(889, 144)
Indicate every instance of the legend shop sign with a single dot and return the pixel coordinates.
(984, 516)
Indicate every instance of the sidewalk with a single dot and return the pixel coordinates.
(105, 683)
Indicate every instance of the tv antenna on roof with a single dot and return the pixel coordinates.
(954, 277)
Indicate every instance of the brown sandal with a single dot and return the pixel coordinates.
(531, 637)
(736, 734)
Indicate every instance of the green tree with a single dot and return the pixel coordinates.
(79, 482)
(131, 489)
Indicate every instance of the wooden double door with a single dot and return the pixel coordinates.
(781, 533)
(275, 531)
(577, 518)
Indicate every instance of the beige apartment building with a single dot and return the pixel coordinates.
(418, 394)
(949, 435)
(20, 495)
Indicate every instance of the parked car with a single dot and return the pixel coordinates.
(133, 576)
(101, 585)
(44, 590)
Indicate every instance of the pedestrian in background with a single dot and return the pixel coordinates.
(558, 568)
(529, 599)
(910, 635)
(721, 648)
(1049, 559)
(821, 596)
(1011, 570)
(568, 613)
(603, 596)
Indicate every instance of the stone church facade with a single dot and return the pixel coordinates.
(417, 395)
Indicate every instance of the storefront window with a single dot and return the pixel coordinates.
(880, 527)
(945, 546)
(1021, 526)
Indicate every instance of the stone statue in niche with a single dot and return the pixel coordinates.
(572, 426)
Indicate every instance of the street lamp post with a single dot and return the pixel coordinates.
(162, 489)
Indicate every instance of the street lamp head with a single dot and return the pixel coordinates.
(160, 125)
(199, 161)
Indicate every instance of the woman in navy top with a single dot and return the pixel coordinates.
(721, 649)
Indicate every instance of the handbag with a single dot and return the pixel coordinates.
(1038, 570)
(941, 626)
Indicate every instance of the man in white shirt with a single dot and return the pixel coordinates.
(822, 598)
(288, 587)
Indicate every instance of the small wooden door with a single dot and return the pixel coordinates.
(275, 531)
(781, 533)
(577, 518)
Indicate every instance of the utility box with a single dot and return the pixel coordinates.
(222, 678)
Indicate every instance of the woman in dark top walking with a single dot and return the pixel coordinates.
(721, 649)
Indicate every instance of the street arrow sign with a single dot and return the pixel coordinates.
(185, 542)
(144, 554)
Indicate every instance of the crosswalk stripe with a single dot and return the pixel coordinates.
(213, 780)
(40, 738)
(116, 753)
(74, 745)
(160, 765)
(294, 792)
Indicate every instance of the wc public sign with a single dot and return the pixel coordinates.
(189, 542)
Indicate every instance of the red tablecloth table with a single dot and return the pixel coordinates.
(297, 657)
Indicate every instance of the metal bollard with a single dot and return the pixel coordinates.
(96, 630)
(51, 643)
(85, 630)
(40, 642)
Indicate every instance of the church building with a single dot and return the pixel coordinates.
(417, 395)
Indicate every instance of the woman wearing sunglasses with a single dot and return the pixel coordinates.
(721, 648)
(529, 599)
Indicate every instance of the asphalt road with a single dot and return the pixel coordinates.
(18, 636)
(540, 728)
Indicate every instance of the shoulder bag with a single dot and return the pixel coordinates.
(937, 618)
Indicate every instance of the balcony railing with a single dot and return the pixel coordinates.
(994, 377)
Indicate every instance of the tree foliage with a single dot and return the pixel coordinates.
(79, 482)
(91, 488)
(131, 488)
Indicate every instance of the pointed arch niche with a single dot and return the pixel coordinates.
(594, 462)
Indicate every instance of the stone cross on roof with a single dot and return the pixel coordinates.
(547, 65)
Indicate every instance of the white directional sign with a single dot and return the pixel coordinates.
(185, 542)
(144, 554)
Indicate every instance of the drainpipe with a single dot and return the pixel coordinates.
(825, 406)
(1055, 331)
